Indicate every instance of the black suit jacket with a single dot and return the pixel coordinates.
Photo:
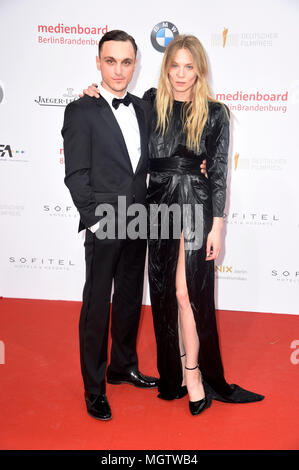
(97, 164)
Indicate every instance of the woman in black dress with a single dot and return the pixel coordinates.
(189, 126)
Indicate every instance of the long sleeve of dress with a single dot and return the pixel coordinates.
(150, 95)
(218, 157)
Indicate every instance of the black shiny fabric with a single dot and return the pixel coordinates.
(175, 177)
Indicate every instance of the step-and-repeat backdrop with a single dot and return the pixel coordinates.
(48, 55)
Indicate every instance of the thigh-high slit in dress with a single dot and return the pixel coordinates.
(176, 178)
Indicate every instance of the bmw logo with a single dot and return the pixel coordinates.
(162, 34)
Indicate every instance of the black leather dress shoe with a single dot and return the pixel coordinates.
(98, 406)
(132, 377)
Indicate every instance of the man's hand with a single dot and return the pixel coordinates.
(92, 90)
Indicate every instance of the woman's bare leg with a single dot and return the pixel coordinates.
(188, 330)
(182, 348)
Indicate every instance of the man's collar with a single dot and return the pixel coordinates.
(108, 96)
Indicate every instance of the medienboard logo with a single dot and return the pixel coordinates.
(61, 156)
(63, 101)
(162, 34)
(260, 101)
(70, 34)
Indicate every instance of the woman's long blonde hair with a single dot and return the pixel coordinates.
(195, 111)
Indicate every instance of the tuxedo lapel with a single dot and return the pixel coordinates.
(142, 129)
(116, 133)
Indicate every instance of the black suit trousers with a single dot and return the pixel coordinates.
(121, 261)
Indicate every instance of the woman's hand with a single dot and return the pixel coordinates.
(214, 239)
(203, 167)
(92, 90)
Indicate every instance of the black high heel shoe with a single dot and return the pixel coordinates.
(197, 407)
(181, 392)
(237, 395)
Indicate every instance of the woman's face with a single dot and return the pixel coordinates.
(182, 75)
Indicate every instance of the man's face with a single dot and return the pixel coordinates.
(117, 63)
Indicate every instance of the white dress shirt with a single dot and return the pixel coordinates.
(127, 121)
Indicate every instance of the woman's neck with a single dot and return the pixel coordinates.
(182, 96)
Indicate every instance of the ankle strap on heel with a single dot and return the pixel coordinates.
(192, 368)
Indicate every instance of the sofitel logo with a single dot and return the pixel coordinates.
(285, 275)
(57, 210)
(67, 98)
(251, 218)
(41, 263)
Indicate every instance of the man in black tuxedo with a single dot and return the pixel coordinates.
(106, 156)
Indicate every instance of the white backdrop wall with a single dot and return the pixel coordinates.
(252, 49)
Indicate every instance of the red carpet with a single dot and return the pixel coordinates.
(41, 398)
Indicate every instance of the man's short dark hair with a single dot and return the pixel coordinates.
(117, 35)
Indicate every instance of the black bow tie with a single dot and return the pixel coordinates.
(126, 101)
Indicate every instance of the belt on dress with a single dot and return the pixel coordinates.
(177, 165)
